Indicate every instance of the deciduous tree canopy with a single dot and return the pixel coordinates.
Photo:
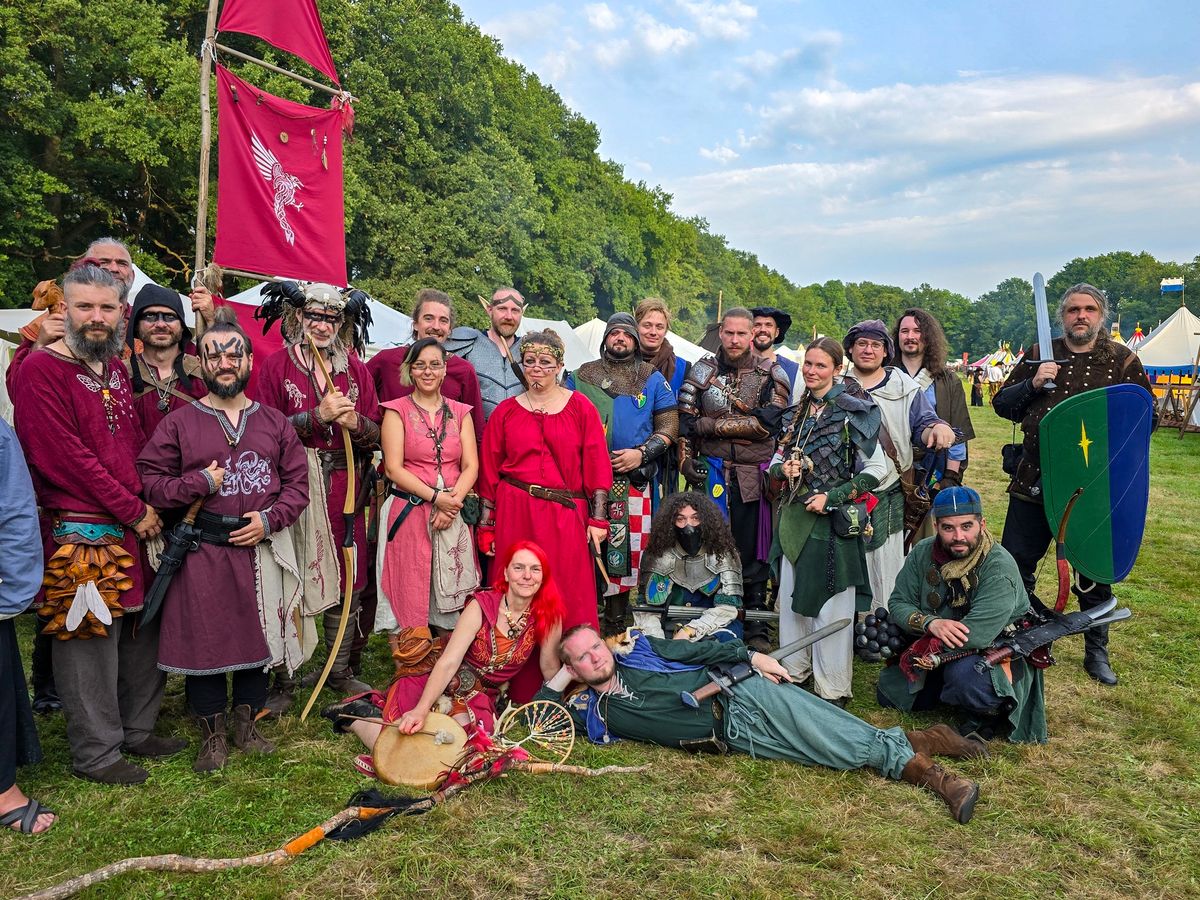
(465, 171)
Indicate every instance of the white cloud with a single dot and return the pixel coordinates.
(558, 64)
(987, 116)
(610, 54)
(602, 17)
(660, 38)
(525, 26)
(727, 21)
(815, 52)
(890, 219)
(722, 154)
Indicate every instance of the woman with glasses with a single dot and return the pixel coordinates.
(426, 565)
(545, 476)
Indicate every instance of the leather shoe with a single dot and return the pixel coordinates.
(45, 701)
(156, 746)
(120, 772)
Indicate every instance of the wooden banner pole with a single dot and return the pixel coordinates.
(206, 61)
(337, 92)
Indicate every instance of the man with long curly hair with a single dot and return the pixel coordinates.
(690, 559)
(921, 343)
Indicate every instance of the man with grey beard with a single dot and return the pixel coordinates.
(75, 417)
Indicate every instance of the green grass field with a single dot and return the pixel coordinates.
(1109, 808)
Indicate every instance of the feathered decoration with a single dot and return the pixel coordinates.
(358, 309)
(279, 295)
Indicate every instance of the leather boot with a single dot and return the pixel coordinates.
(942, 740)
(245, 732)
(214, 747)
(281, 695)
(958, 793)
(614, 613)
(1095, 655)
(343, 682)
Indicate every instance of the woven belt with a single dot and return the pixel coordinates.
(561, 496)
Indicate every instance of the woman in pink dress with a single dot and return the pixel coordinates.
(517, 621)
(545, 476)
(430, 456)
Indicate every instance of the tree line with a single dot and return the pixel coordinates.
(465, 171)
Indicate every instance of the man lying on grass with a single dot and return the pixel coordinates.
(635, 694)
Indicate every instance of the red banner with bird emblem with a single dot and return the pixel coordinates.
(279, 185)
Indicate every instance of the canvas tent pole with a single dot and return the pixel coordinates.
(206, 60)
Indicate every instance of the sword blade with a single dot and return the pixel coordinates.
(809, 639)
(1103, 609)
(1042, 313)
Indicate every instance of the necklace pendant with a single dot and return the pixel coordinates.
(163, 404)
(605, 384)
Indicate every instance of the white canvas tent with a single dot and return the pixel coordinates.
(1170, 349)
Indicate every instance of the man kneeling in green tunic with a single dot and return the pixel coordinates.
(958, 591)
(635, 694)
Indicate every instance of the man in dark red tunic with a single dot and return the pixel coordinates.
(294, 383)
(432, 317)
(163, 376)
(74, 414)
(221, 614)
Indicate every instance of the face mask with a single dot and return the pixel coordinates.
(689, 539)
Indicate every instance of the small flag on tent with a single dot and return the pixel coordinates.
(291, 25)
(280, 205)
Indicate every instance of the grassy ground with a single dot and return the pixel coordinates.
(1110, 808)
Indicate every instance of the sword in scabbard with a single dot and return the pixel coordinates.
(181, 540)
(723, 681)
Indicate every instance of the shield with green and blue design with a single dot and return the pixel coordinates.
(1099, 442)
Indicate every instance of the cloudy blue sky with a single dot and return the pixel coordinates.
(957, 143)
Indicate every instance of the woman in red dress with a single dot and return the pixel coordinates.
(497, 633)
(545, 476)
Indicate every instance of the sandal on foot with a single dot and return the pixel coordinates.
(27, 816)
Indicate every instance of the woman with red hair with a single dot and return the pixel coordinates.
(497, 633)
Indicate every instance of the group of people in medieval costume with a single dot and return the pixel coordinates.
(513, 507)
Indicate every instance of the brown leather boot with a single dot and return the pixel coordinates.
(942, 740)
(245, 732)
(214, 749)
(281, 695)
(959, 793)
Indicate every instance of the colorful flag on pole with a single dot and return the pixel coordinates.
(279, 185)
(291, 25)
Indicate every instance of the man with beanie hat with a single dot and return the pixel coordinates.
(959, 590)
(908, 419)
(641, 422)
(163, 376)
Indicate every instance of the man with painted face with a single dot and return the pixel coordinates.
(74, 415)
(494, 351)
(230, 609)
(641, 422)
(771, 326)
(908, 419)
(961, 589)
(730, 409)
(432, 317)
(163, 376)
(690, 560)
(292, 381)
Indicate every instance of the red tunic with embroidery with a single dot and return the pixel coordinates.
(287, 384)
(81, 436)
(493, 658)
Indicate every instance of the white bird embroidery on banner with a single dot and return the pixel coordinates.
(284, 185)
